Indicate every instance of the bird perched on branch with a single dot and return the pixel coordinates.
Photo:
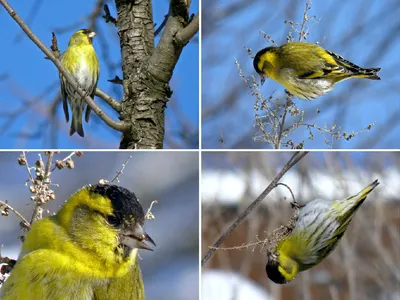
(88, 250)
(307, 70)
(81, 61)
(319, 227)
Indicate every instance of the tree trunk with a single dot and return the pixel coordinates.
(147, 70)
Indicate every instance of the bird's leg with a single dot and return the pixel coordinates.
(86, 93)
(288, 93)
(296, 207)
(288, 98)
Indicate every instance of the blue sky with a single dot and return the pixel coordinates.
(29, 75)
(365, 32)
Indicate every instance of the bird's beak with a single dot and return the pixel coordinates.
(134, 238)
(263, 78)
(92, 34)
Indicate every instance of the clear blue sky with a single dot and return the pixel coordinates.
(365, 32)
(29, 75)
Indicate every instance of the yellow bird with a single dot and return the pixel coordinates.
(81, 61)
(307, 70)
(88, 250)
(319, 227)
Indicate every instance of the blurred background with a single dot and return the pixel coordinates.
(366, 263)
(364, 32)
(171, 271)
(31, 115)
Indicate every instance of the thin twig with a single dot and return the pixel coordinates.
(25, 221)
(305, 20)
(54, 45)
(149, 215)
(116, 80)
(162, 25)
(278, 144)
(47, 170)
(68, 157)
(290, 190)
(108, 16)
(116, 178)
(46, 180)
(28, 169)
(281, 130)
(292, 161)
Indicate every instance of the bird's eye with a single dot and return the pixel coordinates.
(113, 220)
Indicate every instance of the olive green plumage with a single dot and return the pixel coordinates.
(88, 250)
(81, 61)
(307, 70)
(319, 227)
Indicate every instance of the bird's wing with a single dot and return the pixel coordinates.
(64, 98)
(333, 66)
(64, 94)
(344, 63)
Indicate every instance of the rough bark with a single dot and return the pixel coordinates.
(147, 70)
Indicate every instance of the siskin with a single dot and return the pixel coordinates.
(88, 250)
(318, 230)
(81, 61)
(307, 70)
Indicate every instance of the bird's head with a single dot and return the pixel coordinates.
(107, 220)
(264, 62)
(82, 36)
(281, 268)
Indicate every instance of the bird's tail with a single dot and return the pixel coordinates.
(347, 207)
(76, 123)
(355, 201)
(363, 194)
(371, 73)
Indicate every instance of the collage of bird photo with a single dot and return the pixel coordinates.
(200, 150)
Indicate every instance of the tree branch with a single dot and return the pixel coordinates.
(162, 25)
(115, 104)
(292, 161)
(108, 16)
(120, 126)
(184, 35)
(8, 207)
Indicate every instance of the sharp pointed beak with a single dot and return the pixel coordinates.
(135, 238)
(92, 34)
(263, 78)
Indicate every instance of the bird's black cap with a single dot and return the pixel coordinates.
(258, 57)
(123, 200)
(273, 273)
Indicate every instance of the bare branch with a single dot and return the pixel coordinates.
(6, 206)
(184, 35)
(108, 16)
(41, 184)
(290, 190)
(116, 80)
(115, 104)
(292, 161)
(162, 25)
(116, 178)
(149, 215)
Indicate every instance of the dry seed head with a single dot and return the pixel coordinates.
(70, 164)
(22, 160)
